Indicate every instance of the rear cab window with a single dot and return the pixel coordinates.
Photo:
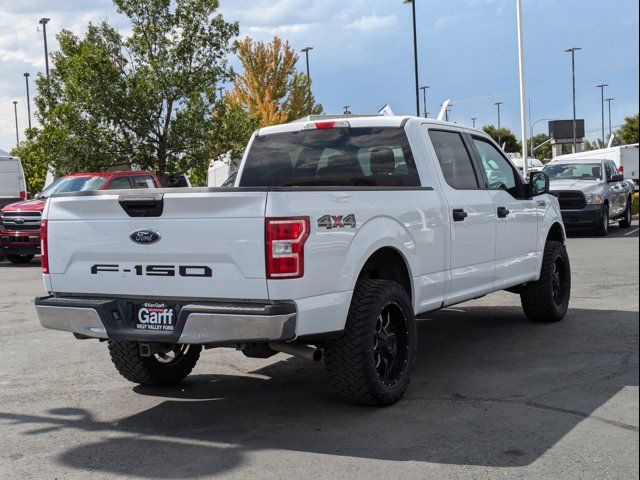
(360, 157)
(142, 181)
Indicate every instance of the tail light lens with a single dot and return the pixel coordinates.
(44, 249)
(285, 238)
(23, 195)
(620, 169)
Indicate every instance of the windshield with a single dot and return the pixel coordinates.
(73, 184)
(326, 157)
(574, 171)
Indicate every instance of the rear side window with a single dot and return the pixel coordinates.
(142, 181)
(327, 157)
(120, 183)
(455, 160)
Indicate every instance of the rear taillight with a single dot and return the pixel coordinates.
(23, 195)
(285, 239)
(620, 169)
(44, 250)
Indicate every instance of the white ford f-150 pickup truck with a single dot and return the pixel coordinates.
(337, 233)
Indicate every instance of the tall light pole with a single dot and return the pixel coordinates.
(346, 110)
(473, 119)
(609, 100)
(531, 130)
(26, 81)
(43, 22)
(424, 97)
(15, 111)
(573, 51)
(523, 107)
(497, 104)
(415, 54)
(306, 51)
(601, 87)
(447, 112)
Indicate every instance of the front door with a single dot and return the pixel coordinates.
(516, 216)
(471, 215)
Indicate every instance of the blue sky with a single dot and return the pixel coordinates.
(363, 52)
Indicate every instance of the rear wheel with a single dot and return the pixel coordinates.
(602, 230)
(20, 259)
(168, 367)
(625, 222)
(370, 364)
(547, 300)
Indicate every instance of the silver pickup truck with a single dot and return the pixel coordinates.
(591, 194)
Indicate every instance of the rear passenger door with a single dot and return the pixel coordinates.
(516, 215)
(471, 214)
(617, 190)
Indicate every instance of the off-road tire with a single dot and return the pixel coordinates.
(149, 371)
(20, 259)
(539, 300)
(625, 221)
(602, 230)
(351, 360)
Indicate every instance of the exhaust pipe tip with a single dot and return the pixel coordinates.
(301, 351)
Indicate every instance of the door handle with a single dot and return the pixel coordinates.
(459, 215)
(503, 212)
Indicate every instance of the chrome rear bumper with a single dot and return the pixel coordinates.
(197, 323)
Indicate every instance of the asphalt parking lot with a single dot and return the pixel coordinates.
(493, 396)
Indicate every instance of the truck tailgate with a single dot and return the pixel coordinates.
(209, 245)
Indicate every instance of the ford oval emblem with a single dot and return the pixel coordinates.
(145, 237)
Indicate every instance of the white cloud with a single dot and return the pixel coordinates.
(373, 22)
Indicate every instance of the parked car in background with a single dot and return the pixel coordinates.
(12, 182)
(625, 157)
(535, 165)
(591, 194)
(20, 222)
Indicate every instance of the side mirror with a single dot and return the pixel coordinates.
(616, 178)
(538, 183)
(37, 196)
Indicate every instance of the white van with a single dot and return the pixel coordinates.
(12, 185)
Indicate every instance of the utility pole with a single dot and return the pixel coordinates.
(26, 80)
(473, 119)
(497, 104)
(601, 87)
(573, 51)
(523, 106)
(306, 51)
(15, 111)
(415, 54)
(609, 100)
(424, 97)
(220, 92)
(43, 22)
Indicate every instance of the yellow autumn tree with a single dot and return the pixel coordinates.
(269, 87)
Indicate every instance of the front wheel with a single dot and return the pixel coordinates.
(625, 222)
(169, 367)
(20, 259)
(370, 364)
(547, 300)
(602, 230)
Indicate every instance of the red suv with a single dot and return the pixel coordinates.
(20, 222)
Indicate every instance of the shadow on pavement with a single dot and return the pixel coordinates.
(490, 388)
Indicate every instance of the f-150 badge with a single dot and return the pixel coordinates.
(337, 221)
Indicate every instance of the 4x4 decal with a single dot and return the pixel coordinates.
(337, 221)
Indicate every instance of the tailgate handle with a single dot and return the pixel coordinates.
(142, 206)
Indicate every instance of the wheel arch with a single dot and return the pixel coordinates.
(387, 263)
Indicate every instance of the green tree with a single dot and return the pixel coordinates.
(630, 131)
(146, 100)
(504, 135)
(543, 152)
(34, 161)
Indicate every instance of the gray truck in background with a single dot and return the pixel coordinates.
(591, 194)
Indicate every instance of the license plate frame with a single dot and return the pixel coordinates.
(154, 316)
